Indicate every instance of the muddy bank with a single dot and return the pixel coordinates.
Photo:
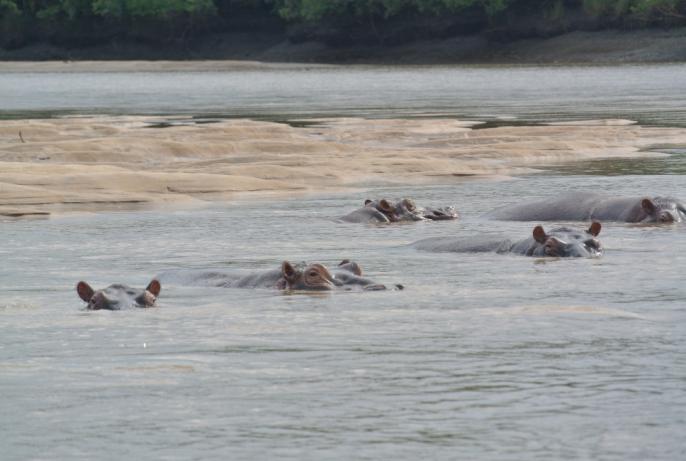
(606, 46)
(104, 163)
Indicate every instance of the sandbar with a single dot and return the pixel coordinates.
(100, 163)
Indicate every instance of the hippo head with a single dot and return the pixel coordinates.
(440, 214)
(116, 297)
(662, 210)
(316, 277)
(307, 277)
(384, 207)
(564, 242)
(407, 210)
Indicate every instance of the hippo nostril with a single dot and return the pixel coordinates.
(96, 301)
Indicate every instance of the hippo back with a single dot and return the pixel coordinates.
(476, 244)
(577, 206)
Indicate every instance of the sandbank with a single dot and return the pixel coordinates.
(99, 163)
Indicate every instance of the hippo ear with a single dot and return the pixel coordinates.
(154, 287)
(594, 230)
(539, 234)
(409, 204)
(85, 291)
(367, 202)
(351, 266)
(288, 271)
(385, 205)
(648, 206)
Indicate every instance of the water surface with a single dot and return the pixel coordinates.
(480, 357)
(492, 356)
(647, 93)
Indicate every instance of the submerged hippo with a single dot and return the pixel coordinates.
(303, 276)
(386, 211)
(587, 206)
(116, 297)
(561, 242)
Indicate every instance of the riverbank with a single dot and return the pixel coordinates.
(580, 47)
(102, 163)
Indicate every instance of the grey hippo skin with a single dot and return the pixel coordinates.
(561, 242)
(586, 206)
(404, 210)
(303, 276)
(116, 297)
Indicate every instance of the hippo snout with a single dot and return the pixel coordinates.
(101, 301)
(96, 302)
(666, 217)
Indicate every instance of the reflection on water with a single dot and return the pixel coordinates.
(570, 359)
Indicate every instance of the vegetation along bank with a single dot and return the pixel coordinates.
(326, 30)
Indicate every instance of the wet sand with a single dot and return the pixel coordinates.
(102, 163)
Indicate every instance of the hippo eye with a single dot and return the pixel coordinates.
(313, 274)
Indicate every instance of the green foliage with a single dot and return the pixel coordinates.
(160, 9)
(110, 8)
(8, 8)
(641, 9)
(657, 8)
(315, 10)
(29, 17)
(56, 9)
(556, 11)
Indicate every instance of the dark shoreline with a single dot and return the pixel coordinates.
(579, 47)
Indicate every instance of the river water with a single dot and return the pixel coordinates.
(648, 94)
(480, 357)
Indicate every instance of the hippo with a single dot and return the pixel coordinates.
(291, 277)
(117, 296)
(403, 210)
(561, 242)
(587, 206)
